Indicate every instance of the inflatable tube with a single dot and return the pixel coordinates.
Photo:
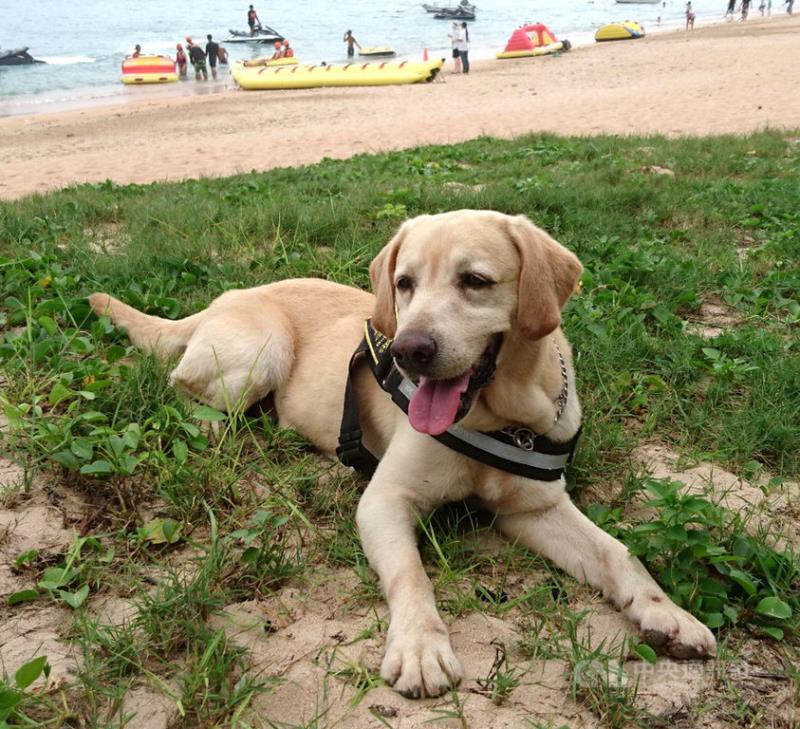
(564, 46)
(377, 51)
(351, 74)
(149, 70)
(627, 30)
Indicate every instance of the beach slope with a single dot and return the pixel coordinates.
(726, 78)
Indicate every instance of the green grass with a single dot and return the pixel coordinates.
(255, 508)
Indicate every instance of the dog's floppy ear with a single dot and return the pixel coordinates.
(548, 276)
(381, 275)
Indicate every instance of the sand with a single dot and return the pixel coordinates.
(724, 78)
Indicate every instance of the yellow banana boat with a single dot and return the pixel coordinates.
(352, 74)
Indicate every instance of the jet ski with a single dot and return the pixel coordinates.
(455, 14)
(17, 57)
(263, 34)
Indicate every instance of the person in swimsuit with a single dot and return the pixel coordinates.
(351, 42)
(222, 54)
(181, 62)
(137, 51)
(689, 16)
(288, 52)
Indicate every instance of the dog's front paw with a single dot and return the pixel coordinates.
(419, 660)
(671, 630)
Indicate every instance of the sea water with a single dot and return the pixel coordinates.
(84, 41)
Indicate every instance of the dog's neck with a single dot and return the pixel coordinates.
(526, 387)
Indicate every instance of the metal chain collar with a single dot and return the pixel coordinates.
(524, 437)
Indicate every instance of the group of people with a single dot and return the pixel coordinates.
(282, 50)
(764, 7)
(200, 59)
(459, 39)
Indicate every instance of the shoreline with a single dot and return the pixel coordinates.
(720, 78)
(116, 94)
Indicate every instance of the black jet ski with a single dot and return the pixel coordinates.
(455, 14)
(17, 57)
(263, 34)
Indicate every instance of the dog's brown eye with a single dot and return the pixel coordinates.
(404, 283)
(474, 281)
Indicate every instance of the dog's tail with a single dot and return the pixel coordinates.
(164, 337)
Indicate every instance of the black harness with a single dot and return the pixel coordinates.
(514, 450)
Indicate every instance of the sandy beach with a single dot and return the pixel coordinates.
(725, 78)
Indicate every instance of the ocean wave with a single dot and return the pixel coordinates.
(66, 60)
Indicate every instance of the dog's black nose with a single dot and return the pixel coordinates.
(414, 350)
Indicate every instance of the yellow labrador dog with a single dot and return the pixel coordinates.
(454, 291)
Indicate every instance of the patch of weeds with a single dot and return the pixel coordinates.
(457, 713)
(264, 561)
(216, 684)
(69, 581)
(15, 700)
(503, 677)
(709, 564)
(598, 681)
(357, 675)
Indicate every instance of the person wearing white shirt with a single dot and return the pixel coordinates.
(463, 47)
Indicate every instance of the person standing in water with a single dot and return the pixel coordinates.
(689, 16)
(181, 62)
(212, 54)
(351, 42)
(198, 59)
(729, 13)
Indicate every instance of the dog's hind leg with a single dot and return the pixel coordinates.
(165, 337)
(235, 359)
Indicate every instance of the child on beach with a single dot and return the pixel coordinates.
(689, 17)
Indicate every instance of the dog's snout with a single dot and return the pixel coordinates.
(414, 350)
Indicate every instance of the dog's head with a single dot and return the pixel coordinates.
(451, 288)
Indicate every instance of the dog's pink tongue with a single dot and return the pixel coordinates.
(434, 404)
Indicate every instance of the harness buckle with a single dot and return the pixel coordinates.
(523, 438)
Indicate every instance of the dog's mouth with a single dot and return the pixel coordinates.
(437, 404)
